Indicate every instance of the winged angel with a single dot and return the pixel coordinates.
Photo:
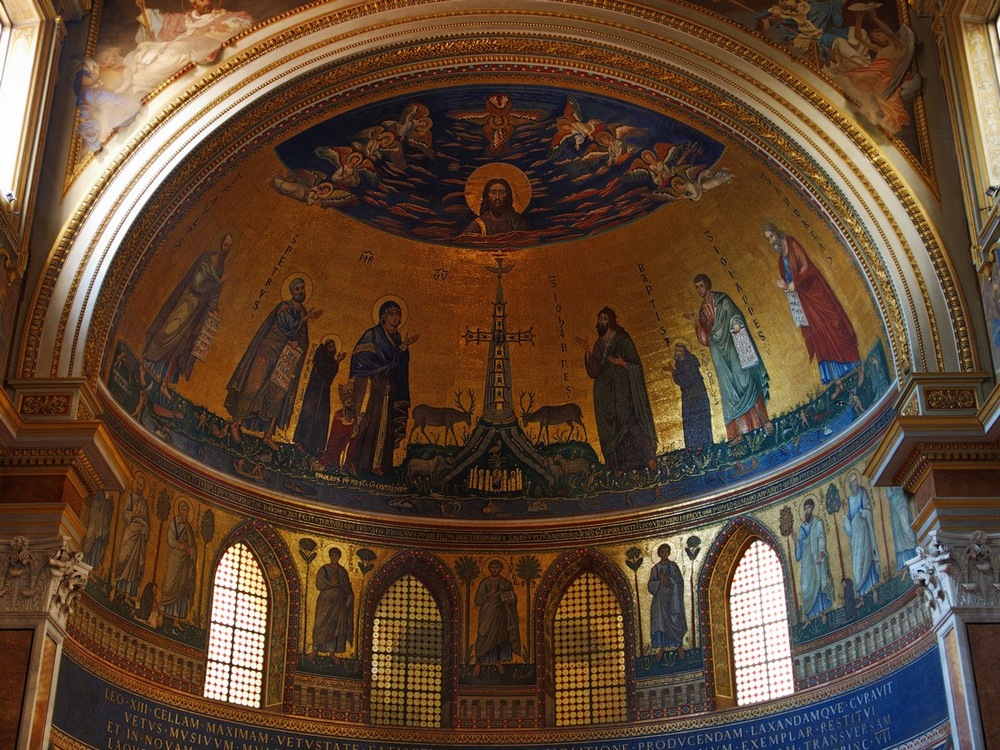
(677, 172)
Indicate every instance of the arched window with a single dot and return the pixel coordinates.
(238, 633)
(407, 657)
(758, 612)
(589, 650)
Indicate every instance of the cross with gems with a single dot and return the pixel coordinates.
(497, 395)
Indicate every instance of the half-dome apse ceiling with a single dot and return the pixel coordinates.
(628, 308)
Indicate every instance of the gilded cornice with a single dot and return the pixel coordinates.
(53, 426)
(924, 457)
(47, 459)
(730, 111)
(942, 418)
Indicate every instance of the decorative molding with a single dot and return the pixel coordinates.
(951, 398)
(55, 399)
(924, 456)
(41, 578)
(72, 458)
(944, 391)
(45, 404)
(943, 417)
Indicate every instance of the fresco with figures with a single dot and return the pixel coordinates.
(586, 321)
(842, 544)
(865, 51)
(139, 46)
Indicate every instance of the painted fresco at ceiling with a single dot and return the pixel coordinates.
(140, 46)
(842, 544)
(701, 346)
(864, 49)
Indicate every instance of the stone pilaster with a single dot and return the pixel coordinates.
(54, 453)
(40, 581)
(944, 448)
(958, 576)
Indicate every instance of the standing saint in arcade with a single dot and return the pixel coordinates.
(130, 563)
(826, 328)
(380, 369)
(179, 579)
(859, 525)
(261, 392)
(101, 509)
(334, 627)
(621, 403)
(903, 539)
(743, 380)
(814, 565)
(499, 632)
(667, 621)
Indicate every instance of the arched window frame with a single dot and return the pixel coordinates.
(249, 636)
(442, 586)
(713, 603)
(284, 601)
(551, 590)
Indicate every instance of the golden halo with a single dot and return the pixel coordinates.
(403, 310)
(495, 560)
(336, 340)
(683, 342)
(519, 183)
(286, 294)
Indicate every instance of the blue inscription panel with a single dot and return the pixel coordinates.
(905, 705)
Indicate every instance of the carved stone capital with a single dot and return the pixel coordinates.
(40, 578)
(934, 572)
(959, 573)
